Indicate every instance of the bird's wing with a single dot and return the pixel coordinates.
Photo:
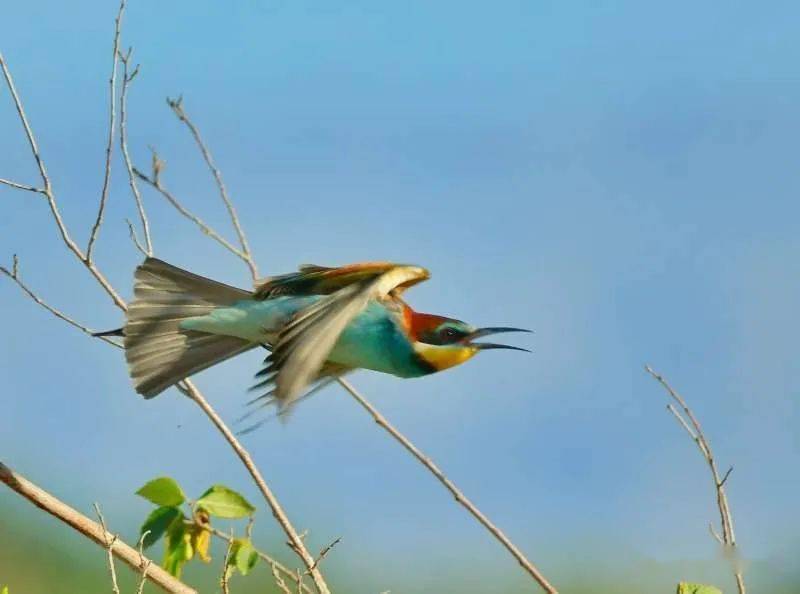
(322, 280)
(303, 345)
(329, 373)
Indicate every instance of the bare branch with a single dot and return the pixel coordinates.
(135, 239)
(450, 486)
(144, 563)
(112, 115)
(109, 549)
(188, 388)
(89, 528)
(689, 430)
(728, 538)
(48, 192)
(324, 552)
(177, 108)
(13, 274)
(19, 186)
(279, 581)
(223, 580)
(725, 478)
(123, 141)
(264, 556)
(155, 183)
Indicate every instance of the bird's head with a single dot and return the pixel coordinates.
(442, 342)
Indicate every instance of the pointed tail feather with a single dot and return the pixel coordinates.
(160, 353)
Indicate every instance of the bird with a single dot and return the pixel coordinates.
(317, 324)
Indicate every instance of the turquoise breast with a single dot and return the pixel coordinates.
(373, 340)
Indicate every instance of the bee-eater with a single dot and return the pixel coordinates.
(318, 323)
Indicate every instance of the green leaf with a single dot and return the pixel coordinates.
(163, 491)
(158, 522)
(4, 590)
(223, 502)
(178, 549)
(687, 588)
(242, 556)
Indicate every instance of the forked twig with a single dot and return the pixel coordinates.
(695, 431)
(144, 563)
(13, 274)
(264, 556)
(109, 543)
(47, 190)
(123, 141)
(155, 183)
(177, 108)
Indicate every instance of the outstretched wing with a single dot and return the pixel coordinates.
(303, 345)
(311, 279)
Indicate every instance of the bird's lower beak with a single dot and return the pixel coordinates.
(485, 346)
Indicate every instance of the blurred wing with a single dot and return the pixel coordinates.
(321, 280)
(303, 345)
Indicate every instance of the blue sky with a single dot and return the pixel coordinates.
(618, 176)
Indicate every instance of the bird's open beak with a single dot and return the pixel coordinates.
(485, 346)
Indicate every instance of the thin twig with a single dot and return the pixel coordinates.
(728, 538)
(279, 581)
(13, 274)
(450, 486)
(123, 141)
(109, 549)
(223, 580)
(144, 563)
(19, 186)
(135, 239)
(188, 388)
(155, 183)
(48, 192)
(324, 552)
(177, 108)
(112, 116)
(264, 556)
(89, 528)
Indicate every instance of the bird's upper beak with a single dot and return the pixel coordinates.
(485, 346)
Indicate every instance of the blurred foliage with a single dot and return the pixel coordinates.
(40, 555)
(687, 588)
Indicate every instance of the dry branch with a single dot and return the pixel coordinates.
(91, 529)
(109, 545)
(112, 115)
(274, 563)
(695, 431)
(47, 190)
(187, 387)
(177, 108)
(127, 78)
(450, 486)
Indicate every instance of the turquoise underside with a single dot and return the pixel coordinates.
(373, 340)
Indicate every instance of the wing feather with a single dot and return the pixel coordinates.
(304, 344)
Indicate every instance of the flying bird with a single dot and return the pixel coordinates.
(317, 324)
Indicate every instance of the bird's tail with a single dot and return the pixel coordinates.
(159, 352)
